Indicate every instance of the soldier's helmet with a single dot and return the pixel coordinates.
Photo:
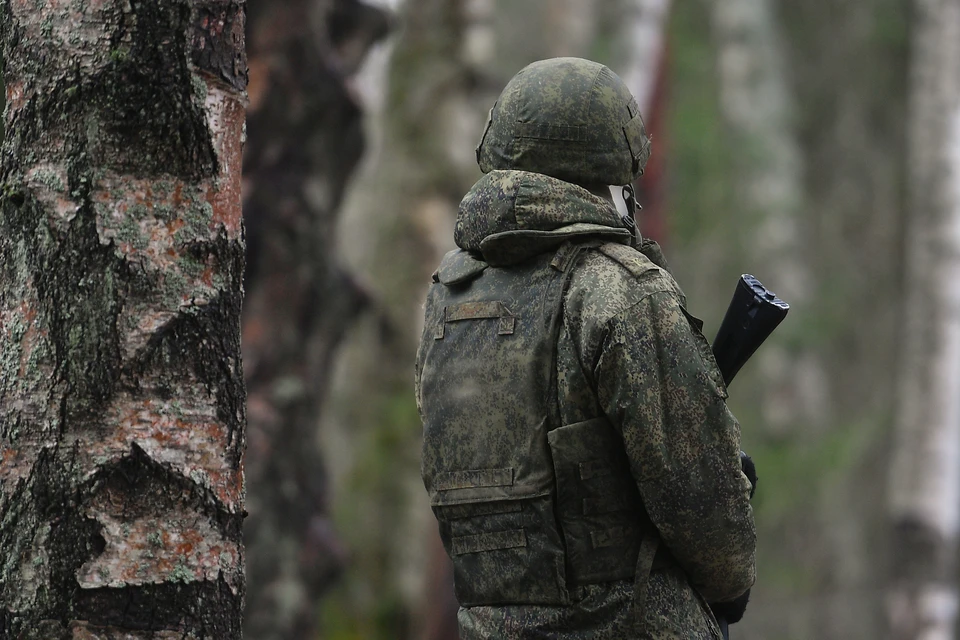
(569, 118)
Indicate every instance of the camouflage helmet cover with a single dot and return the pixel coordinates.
(568, 118)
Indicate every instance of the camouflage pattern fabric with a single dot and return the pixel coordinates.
(627, 349)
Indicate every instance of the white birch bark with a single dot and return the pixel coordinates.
(644, 37)
(755, 103)
(925, 475)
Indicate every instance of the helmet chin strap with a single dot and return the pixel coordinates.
(630, 200)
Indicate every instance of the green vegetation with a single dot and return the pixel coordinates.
(698, 152)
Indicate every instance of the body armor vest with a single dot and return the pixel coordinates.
(528, 508)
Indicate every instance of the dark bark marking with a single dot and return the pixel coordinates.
(79, 306)
(83, 311)
(207, 609)
(921, 553)
(223, 57)
(153, 123)
(69, 543)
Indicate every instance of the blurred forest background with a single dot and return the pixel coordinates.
(808, 143)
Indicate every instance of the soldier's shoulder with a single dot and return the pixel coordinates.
(612, 266)
(608, 280)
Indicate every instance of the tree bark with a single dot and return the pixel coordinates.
(121, 255)
(925, 475)
(306, 138)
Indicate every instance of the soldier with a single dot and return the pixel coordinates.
(578, 451)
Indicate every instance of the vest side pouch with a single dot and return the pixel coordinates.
(598, 504)
(504, 552)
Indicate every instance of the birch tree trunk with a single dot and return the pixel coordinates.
(306, 138)
(642, 47)
(851, 127)
(925, 475)
(755, 102)
(121, 256)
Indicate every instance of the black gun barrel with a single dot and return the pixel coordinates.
(753, 314)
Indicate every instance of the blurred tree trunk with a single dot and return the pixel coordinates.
(821, 504)
(925, 475)
(756, 102)
(642, 46)
(306, 139)
(121, 398)
(851, 127)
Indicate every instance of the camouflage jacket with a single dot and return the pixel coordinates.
(629, 350)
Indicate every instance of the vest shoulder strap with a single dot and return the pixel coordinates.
(651, 277)
(458, 267)
(630, 259)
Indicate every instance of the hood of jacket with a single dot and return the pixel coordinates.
(509, 216)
